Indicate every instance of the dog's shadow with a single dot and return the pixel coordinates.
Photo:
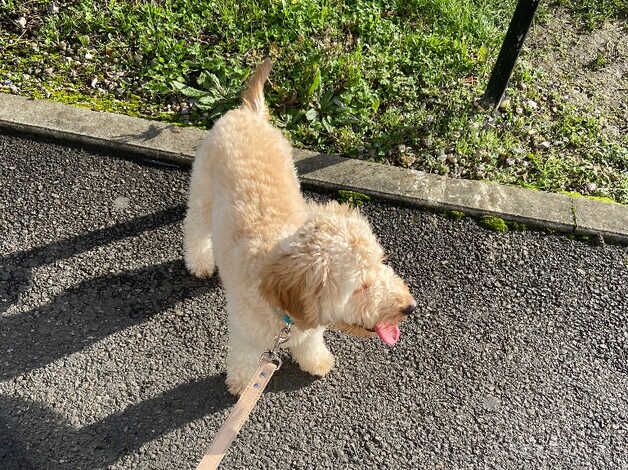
(33, 436)
(90, 311)
(290, 378)
(30, 432)
(15, 268)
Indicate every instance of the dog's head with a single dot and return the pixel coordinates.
(332, 272)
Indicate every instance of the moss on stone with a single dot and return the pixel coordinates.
(496, 224)
(517, 226)
(576, 195)
(573, 194)
(603, 199)
(455, 215)
(352, 198)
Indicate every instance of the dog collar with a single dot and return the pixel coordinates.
(284, 317)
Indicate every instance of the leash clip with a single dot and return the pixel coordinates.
(283, 336)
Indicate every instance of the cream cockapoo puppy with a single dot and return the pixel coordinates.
(276, 252)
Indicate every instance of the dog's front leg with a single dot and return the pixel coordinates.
(242, 359)
(311, 353)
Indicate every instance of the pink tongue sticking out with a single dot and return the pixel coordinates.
(388, 333)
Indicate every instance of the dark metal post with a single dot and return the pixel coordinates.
(513, 42)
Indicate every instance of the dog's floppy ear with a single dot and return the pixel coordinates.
(293, 282)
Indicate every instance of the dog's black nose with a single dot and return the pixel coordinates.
(410, 309)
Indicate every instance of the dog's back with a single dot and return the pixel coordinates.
(250, 165)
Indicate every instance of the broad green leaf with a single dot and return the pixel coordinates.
(186, 90)
(311, 114)
(315, 83)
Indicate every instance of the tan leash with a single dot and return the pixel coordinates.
(269, 363)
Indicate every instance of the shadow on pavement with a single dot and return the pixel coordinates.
(149, 134)
(290, 378)
(92, 310)
(25, 443)
(15, 268)
(315, 162)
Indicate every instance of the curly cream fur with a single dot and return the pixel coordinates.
(320, 263)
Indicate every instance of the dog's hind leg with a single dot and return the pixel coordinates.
(197, 238)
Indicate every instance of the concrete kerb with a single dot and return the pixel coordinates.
(176, 145)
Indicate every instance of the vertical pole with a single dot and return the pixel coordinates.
(513, 42)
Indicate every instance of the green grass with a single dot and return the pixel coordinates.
(391, 81)
(593, 13)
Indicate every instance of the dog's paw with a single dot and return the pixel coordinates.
(200, 266)
(235, 386)
(319, 364)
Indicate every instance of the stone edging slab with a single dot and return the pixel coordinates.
(174, 144)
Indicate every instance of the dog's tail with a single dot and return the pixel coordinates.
(253, 95)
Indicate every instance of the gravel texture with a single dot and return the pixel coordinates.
(112, 356)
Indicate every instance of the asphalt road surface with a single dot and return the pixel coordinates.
(112, 356)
